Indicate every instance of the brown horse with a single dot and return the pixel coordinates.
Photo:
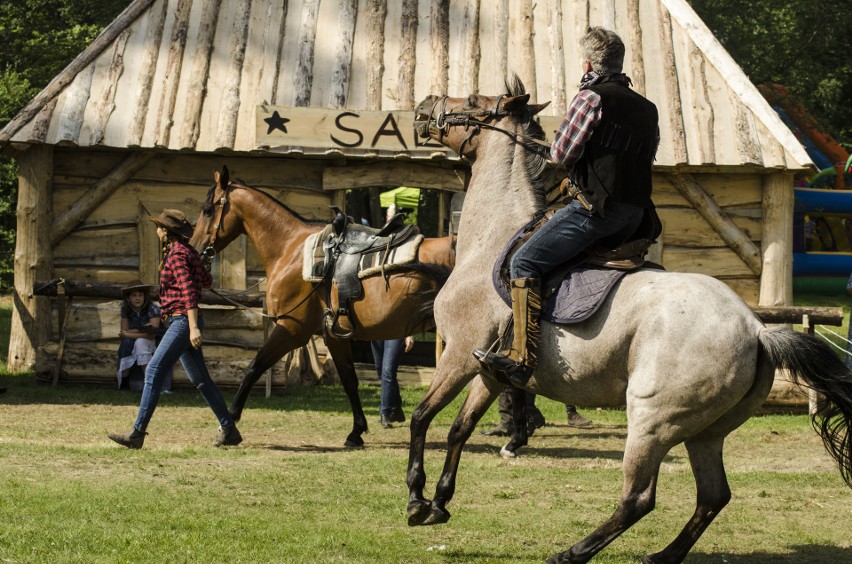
(390, 309)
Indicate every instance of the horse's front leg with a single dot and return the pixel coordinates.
(279, 343)
(481, 395)
(341, 354)
(451, 376)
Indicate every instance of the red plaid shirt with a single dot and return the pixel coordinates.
(182, 279)
(583, 115)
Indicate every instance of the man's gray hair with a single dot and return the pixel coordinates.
(603, 49)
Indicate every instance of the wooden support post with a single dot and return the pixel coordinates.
(814, 398)
(33, 256)
(776, 280)
(266, 338)
(313, 358)
(64, 305)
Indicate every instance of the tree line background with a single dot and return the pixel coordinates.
(805, 45)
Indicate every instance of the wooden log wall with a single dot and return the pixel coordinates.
(116, 243)
(691, 244)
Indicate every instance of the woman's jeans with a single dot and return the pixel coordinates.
(173, 346)
(569, 232)
(386, 354)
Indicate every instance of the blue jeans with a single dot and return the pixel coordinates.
(386, 354)
(569, 232)
(173, 346)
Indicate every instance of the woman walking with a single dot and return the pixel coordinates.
(181, 279)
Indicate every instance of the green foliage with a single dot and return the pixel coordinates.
(804, 45)
(39, 38)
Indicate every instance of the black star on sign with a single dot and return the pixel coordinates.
(274, 122)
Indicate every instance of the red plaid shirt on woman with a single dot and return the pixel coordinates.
(182, 279)
(583, 115)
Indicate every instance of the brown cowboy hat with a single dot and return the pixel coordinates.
(174, 221)
(136, 285)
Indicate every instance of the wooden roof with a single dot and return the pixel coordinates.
(190, 74)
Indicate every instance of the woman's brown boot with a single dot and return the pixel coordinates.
(133, 439)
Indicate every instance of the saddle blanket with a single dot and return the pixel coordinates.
(313, 257)
(569, 297)
(576, 297)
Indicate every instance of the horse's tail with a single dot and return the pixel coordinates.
(811, 363)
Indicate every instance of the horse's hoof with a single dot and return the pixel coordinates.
(437, 516)
(511, 449)
(354, 441)
(418, 512)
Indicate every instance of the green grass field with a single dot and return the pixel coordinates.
(292, 493)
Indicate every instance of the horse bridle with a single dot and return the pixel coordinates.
(209, 251)
(468, 119)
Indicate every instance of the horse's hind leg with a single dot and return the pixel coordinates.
(279, 343)
(481, 395)
(642, 458)
(341, 354)
(705, 457)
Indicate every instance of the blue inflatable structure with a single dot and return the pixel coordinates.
(822, 240)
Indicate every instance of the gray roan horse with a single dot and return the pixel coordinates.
(683, 352)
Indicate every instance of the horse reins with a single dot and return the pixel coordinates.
(444, 120)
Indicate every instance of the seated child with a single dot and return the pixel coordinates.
(140, 325)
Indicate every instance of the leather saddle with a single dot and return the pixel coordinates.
(627, 257)
(345, 248)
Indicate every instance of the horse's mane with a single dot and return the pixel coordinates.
(207, 206)
(536, 160)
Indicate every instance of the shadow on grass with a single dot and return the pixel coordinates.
(810, 553)
(798, 553)
(23, 389)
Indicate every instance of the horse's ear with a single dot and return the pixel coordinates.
(536, 108)
(224, 177)
(512, 104)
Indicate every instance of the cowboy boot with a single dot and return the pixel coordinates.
(504, 407)
(133, 439)
(518, 362)
(575, 419)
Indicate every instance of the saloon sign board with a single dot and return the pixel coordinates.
(351, 131)
(281, 127)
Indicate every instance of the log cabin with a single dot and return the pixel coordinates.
(307, 99)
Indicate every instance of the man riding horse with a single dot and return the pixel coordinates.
(607, 140)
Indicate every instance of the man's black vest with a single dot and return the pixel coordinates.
(616, 160)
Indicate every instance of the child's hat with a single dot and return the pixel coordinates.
(136, 285)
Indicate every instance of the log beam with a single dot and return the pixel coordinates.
(33, 256)
(799, 314)
(92, 198)
(733, 236)
(112, 291)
